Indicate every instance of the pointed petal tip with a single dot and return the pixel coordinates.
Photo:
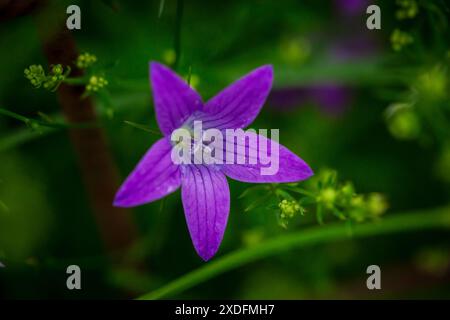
(156, 66)
(305, 172)
(206, 256)
(120, 200)
(265, 70)
(267, 67)
(309, 171)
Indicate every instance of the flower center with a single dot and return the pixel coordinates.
(189, 143)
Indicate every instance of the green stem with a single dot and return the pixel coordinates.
(161, 8)
(76, 81)
(143, 127)
(429, 219)
(21, 136)
(14, 115)
(177, 36)
(53, 125)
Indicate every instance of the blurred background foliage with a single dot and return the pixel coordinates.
(371, 104)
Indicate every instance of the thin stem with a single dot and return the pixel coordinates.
(161, 8)
(53, 125)
(21, 136)
(301, 191)
(177, 35)
(76, 81)
(142, 127)
(430, 219)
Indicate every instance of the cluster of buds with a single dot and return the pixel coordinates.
(407, 120)
(85, 60)
(288, 210)
(37, 77)
(400, 39)
(362, 207)
(325, 195)
(96, 83)
(342, 200)
(408, 9)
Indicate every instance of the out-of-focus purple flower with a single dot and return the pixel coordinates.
(351, 48)
(204, 188)
(332, 98)
(346, 47)
(351, 7)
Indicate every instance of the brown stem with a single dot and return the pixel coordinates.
(96, 164)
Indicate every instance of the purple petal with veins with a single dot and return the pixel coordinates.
(154, 177)
(239, 104)
(173, 98)
(206, 202)
(290, 167)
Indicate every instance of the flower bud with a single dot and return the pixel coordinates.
(85, 60)
(400, 39)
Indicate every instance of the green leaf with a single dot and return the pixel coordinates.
(250, 190)
(142, 127)
(257, 203)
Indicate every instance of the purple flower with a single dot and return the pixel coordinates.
(204, 188)
(351, 7)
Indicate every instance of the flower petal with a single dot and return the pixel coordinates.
(174, 99)
(206, 202)
(288, 167)
(239, 104)
(154, 177)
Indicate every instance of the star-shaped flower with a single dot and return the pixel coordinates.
(204, 188)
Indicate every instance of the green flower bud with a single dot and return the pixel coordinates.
(432, 85)
(36, 75)
(194, 81)
(295, 50)
(348, 190)
(327, 177)
(85, 60)
(96, 83)
(357, 201)
(376, 204)
(288, 209)
(57, 69)
(400, 39)
(404, 124)
(328, 197)
(408, 9)
(169, 56)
